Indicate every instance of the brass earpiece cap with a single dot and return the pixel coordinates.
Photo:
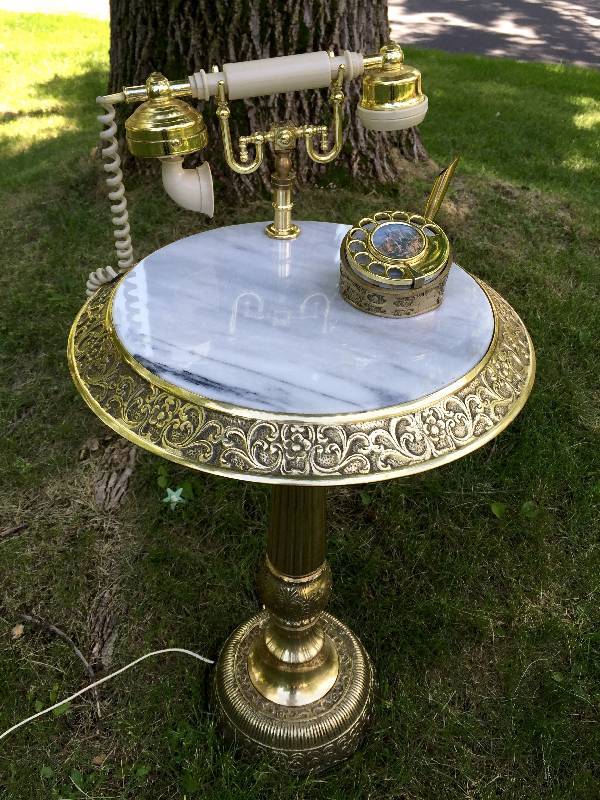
(163, 125)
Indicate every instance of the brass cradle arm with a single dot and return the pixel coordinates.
(223, 113)
(336, 98)
(306, 132)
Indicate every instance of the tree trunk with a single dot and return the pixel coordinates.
(178, 37)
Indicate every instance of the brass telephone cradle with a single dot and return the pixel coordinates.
(283, 138)
(167, 128)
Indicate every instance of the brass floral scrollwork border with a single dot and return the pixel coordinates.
(254, 445)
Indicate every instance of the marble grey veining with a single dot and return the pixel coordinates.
(237, 317)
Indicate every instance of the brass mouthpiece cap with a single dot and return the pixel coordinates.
(163, 125)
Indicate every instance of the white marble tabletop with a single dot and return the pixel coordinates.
(234, 316)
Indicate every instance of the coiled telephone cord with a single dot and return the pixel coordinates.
(120, 218)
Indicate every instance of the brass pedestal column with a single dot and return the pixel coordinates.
(294, 683)
(282, 179)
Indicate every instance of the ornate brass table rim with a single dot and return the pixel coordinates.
(335, 449)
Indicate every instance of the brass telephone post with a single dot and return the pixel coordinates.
(283, 138)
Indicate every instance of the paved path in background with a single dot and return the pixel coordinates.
(534, 30)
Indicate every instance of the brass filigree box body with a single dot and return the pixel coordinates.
(394, 264)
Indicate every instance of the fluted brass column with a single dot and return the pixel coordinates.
(294, 662)
(294, 683)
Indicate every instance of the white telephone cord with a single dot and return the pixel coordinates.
(120, 218)
(103, 680)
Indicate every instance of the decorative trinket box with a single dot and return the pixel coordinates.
(395, 263)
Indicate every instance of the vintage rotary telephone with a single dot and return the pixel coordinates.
(167, 128)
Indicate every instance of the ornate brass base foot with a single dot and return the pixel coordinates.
(304, 738)
(293, 683)
(292, 232)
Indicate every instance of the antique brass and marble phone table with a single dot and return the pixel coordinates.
(235, 354)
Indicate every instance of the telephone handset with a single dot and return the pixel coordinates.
(167, 128)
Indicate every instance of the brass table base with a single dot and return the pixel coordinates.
(294, 683)
(301, 739)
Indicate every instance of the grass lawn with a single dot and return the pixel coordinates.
(483, 627)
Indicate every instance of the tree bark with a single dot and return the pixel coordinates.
(178, 37)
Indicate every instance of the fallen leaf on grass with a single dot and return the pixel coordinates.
(498, 509)
(17, 631)
(530, 509)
